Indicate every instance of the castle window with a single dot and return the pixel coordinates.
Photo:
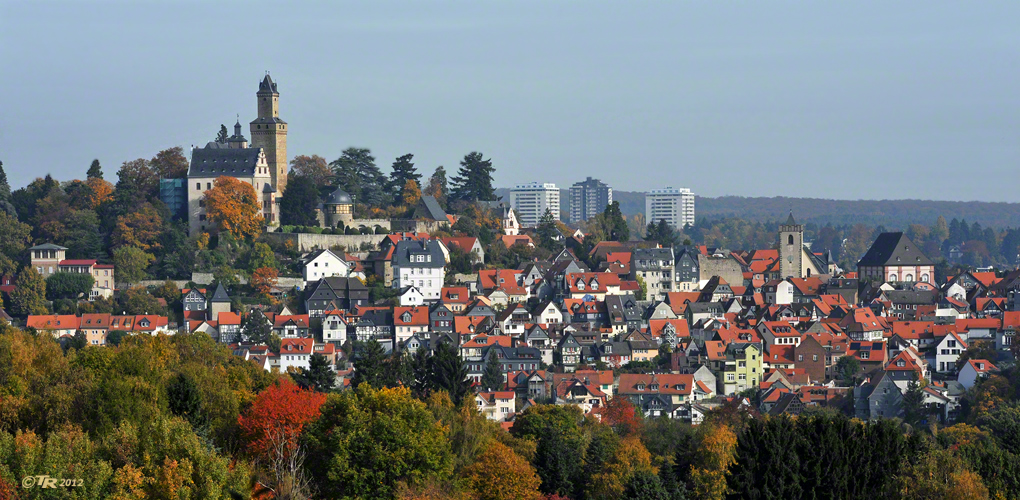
(790, 240)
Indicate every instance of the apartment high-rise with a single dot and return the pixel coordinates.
(588, 198)
(675, 206)
(530, 201)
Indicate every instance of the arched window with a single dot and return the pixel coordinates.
(909, 277)
(924, 278)
(790, 240)
(808, 273)
(892, 277)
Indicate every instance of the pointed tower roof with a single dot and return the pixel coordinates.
(220, 295)
(267, 85)
(790, 221)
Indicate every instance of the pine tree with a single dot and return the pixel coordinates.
(185, 400)
(914, 411)
(547, 231)
(448, 373)
(369, 357)
(473, 181)
(357, 174)
(5, 194)
(255, 327)
(319, 376)
(95, 170)
(403, 171)
(420, 375)
(616, 226)
(221, 136)
(492, 377)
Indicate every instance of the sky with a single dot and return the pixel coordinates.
(845, 100)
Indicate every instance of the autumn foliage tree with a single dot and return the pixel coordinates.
(234, 206)
(141, 228)
(501, 474)
(411, 193)
(621, 415)
(264, 279)
(716, 457)
(279, 413)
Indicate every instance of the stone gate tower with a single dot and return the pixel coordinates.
(269, 132)
(791, 249)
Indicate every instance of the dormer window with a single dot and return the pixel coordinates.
(641, 387)
(654, 387)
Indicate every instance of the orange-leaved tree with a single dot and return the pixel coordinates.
(501, 474)
(101, 191)
(264, 279)
(141, 228)
(234, 206)
(277, 416)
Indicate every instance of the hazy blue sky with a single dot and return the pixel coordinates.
(820, 99)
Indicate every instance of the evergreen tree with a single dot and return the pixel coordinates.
(299, 201)
(222, 135)
(398, 370)
(95, 170)
(255, 327)
(645, 485)
(547, 231)
(403, 171)
(319, 376)
(185, 400)
(492, 377)
(473, 181)
(448, 373)
(5, 194)
(420, 375)
(914, 411)
(369, 358)
(616, 226)
(359, 176)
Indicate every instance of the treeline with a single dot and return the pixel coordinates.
(181, 417)
(889, 213)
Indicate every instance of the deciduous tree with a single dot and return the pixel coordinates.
(68, 285)
(234, 206)
(368, 440)
(299, 201)
(101, 191)
(130, 263)
(264, 279)
(14, 239)
(411, 195)
(501, 474)
(313, 168)
(141, 228)
(170, 163)
(438, 187)
(279, 413)
(29, 294)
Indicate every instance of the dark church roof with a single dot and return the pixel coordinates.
(894, 249)
(267, 85)
(428, 208)
(219, 160)
(220, 295)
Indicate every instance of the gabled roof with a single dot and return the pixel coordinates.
(894, 249)
(428, 208)
(211, 162)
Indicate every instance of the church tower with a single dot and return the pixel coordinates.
(269, 132)
(791, 249)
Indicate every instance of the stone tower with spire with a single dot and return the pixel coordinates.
(791, 249)
(269, 132)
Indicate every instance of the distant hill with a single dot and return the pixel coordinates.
(889, 213)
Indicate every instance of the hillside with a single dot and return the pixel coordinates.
(889, 213)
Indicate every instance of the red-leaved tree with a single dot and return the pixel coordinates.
(277, 416)
(621, 415)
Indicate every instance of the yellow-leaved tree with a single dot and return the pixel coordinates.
(234, 206)
(717, 455)
(502, 474)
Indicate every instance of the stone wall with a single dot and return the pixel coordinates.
(726, 268)
(307, 242)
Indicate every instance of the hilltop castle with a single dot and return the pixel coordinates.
(263, 164)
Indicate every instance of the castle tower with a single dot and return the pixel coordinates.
(237, 141)
(791, 249)
(269, 132)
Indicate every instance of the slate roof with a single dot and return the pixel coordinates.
(429, 208)
(894, 249)
(338, 197)
(217, 161)
(267, 85)
(48, 246)
(220, 295)
(404, 250)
